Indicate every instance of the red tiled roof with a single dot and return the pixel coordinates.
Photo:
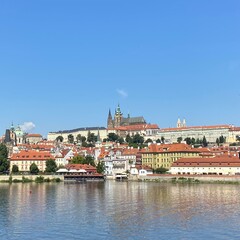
(34, 135)
(31, 155)
(175, 147)
(129, 151)
(218, 161)
(81, 166)
(137, 127)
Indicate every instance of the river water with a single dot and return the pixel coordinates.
(119, 210)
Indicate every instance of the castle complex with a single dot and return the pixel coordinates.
(119, 120)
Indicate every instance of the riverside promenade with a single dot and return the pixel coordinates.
(30, 177)
(200, 178)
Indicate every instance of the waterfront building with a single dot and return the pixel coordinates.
(163, 155)
(81, 168)
(218, 165)
(25, 158)
(116, 165)
(140, 170)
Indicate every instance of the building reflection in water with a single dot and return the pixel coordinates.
(116, 209)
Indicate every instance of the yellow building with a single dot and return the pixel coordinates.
(24, 159)
(163, 155)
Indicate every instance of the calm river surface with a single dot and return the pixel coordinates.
(119, 210)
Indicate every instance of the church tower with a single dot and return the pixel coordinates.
(179, 124)
(110, 120)
(184, 123)
(118, 117)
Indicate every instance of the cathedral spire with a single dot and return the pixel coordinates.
(109, 114)
(118, 111)
(110, 120)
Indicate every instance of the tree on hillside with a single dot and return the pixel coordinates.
(4, 163)
(89, 160)
(112, 137)
(34, 168)
(204, 142)
(51, 166)
(138, 139)
(100, 167)
(79, 138)
(162, 139)
(120, 140)
(149, 140)
(77, 160)
(83, 160)
(222, 139)
(129, 139)
(59, 139)
(188, 140)
(179, 139)
(70, 138)
(158, 141)
(3, 151)
(91, 137)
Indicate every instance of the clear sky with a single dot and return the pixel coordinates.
(64, 63)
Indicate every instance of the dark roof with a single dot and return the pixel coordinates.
(81, 129)
(133, 120)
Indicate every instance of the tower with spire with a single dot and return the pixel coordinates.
(110, 120)
(119, 120)
(179, 124)
(118, 117)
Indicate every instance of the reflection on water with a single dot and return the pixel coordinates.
(118, 210)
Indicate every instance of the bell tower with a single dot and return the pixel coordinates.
(118, 117)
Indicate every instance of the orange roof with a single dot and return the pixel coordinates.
(81, 166)
(34, 135)
(137, 127)
(218, 161)
(130, 151)
(31, 155)
(175, 147)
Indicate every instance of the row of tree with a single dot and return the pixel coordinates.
(203, 141)
(85, 142)
(193, 141)
(135, 141)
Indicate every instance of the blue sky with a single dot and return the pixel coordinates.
(64, 63)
